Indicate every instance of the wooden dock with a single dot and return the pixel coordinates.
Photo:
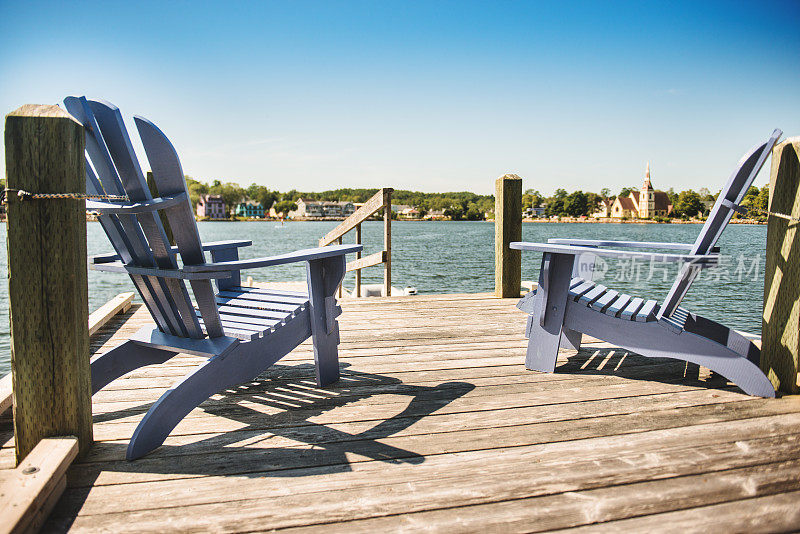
(436, 425)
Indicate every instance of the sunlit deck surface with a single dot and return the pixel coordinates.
(436, 425)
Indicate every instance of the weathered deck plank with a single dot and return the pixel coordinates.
(437, 425)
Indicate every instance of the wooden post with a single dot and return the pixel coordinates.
(387, 241)
(507, 228)
(780, 327)
(151, 184)
(47, 284)
(358, 257)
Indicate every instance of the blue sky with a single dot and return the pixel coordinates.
(432, 96)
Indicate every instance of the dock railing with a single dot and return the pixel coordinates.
(382, 200)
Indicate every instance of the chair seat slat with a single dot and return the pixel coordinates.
(580, 289)
(254, 312)
(257, 304)
(630, 310)
(264, 297)
(254, 322)
(618, 305)
(269, 291)
(589, 297)
(647, 311)
(605, 301)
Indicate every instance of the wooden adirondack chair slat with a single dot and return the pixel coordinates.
(618, 305)
(647, 311)
(169, 179)
(590, 296)
(582, 288)
(630, 311)
(264, 297)
(247, 329)
(267, 291)
(254, 312)
(258, 304)
(605, 301)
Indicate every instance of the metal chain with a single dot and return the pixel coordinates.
(26, 195)
(767, 212)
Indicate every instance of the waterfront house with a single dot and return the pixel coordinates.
(309, 208)
(211, 207)
(398, 208)
(534, 211)
(642, 204)
(250, 209)
(435, 215)
(409, 213)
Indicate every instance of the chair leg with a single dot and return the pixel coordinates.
(245, 361)
(123, 359)
(175, 404)
(324, 277)
(570, 339)
(547, 321)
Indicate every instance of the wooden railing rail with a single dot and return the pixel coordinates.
(382, 200)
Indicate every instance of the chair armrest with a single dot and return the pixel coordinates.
(624, 244)
(214, 245)
(291, 257)
(181, 274)
(221, 245)
(705, 260)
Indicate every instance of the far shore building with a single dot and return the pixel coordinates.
(603, 208)
(309, 208)
(250, 209)
(211, 207)
(645, 203)
(535, 212)
(435, 215)
(409, 213)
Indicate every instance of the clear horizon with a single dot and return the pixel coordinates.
(434, 97)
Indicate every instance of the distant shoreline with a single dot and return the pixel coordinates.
(92, 218)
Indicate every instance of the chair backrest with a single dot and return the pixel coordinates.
(112, 168)
(728, 200)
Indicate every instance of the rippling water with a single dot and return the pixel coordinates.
(456, 257)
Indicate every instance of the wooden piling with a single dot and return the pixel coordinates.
(780, 328)
(507, 228)
(47, 278)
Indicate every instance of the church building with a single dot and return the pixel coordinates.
(642, 204)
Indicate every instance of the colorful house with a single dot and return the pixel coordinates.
(211, 207)
(250, 209)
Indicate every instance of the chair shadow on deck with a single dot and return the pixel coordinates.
(290, 390)
(246, 451)
(622, 363)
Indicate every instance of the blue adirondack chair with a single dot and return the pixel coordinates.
(242, 331)
(565, 306)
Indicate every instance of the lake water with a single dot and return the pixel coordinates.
(458, 257)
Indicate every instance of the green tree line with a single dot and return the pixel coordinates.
(464, 205)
